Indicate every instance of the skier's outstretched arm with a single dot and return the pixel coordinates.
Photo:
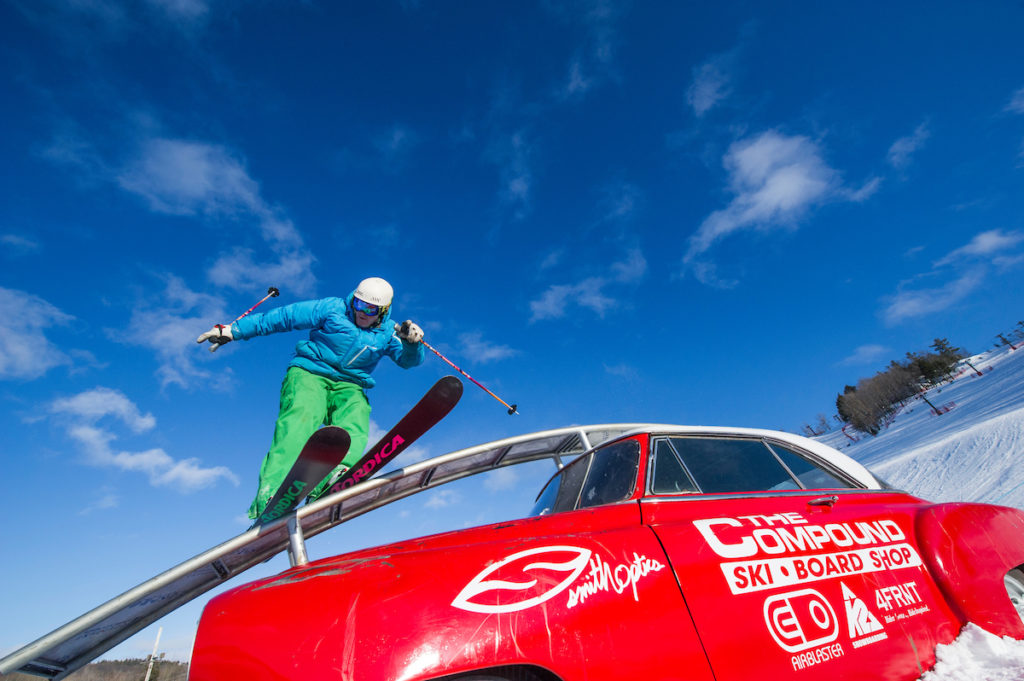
(297, 316)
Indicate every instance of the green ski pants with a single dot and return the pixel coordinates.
(307, 402)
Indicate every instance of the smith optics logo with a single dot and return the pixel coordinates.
(523, 580)
(801, 620)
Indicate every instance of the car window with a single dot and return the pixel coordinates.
(669, 476)
(612, 474)
(809, 475)
(563, 490)
(720, 465)
(603, 476)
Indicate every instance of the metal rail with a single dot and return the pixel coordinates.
(85, 638)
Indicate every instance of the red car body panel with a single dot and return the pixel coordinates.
(807, 584)
(441, 605)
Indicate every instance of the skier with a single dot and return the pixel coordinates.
(329, 374)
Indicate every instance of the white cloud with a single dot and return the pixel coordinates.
(80, 415)
(512, 155)
(16, 244)
(473, 345)
(632, 268)
(107, 499)
(170, 328)
(905, 147)
(1016, 104)
(775, 179)
(991, 244)
(593, 59)
(619, 202)
(973, 263)
(25, 351)
(184, 177)
(912, 304)
(242, 271)
(92, 405)
(622, 371)
(501, 480)
(865, 354)
(397, 142)
(185, 10)
(711, 84)
(442, 499)
(198, 179)
(558, 300)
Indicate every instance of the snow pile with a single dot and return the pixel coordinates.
(977, 655)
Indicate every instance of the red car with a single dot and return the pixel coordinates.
(664, 552)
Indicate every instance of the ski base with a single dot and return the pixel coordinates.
(322, 452)
(432, 407)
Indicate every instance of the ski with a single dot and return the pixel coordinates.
(432, 407)
(322, 452)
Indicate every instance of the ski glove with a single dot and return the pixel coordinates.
(218, 336)
(410, 332)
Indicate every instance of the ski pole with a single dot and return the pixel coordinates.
(272, 292)
(512, 408)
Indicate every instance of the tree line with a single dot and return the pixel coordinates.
(869, 405)
(119, 670)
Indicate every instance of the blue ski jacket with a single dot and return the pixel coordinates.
(337, 348)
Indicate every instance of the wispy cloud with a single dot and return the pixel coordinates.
(501, 480)
(15, 244)
(168, 325)
(593, 59)
(192, 178)
(113, 18)
(904, 148)
(905, 305)
(622, 371)
(186, 177)
(512, 154)
(473, 345)
(970, 264)
(776, 179)
(81, 414)
(712, 83)
(442, 498)
(106, 499)
(865, 354)
(182, 10)
(25, 351)
(1016, 104)
(93, 405)
(395, 143)
(994, 245)
(589, 294)
(619, 202)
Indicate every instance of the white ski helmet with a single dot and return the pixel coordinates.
(375, 291)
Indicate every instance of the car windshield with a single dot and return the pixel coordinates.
(715, 465)
(603, 476)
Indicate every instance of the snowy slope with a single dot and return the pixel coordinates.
(973, 452)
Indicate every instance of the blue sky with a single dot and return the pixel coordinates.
(697, 213)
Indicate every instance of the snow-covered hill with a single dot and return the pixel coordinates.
(972, 452)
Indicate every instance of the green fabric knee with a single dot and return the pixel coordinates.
(307, 402)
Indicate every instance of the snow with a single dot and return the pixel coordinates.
(977, 655)
(969, 453)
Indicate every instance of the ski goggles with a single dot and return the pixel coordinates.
(365, 307)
